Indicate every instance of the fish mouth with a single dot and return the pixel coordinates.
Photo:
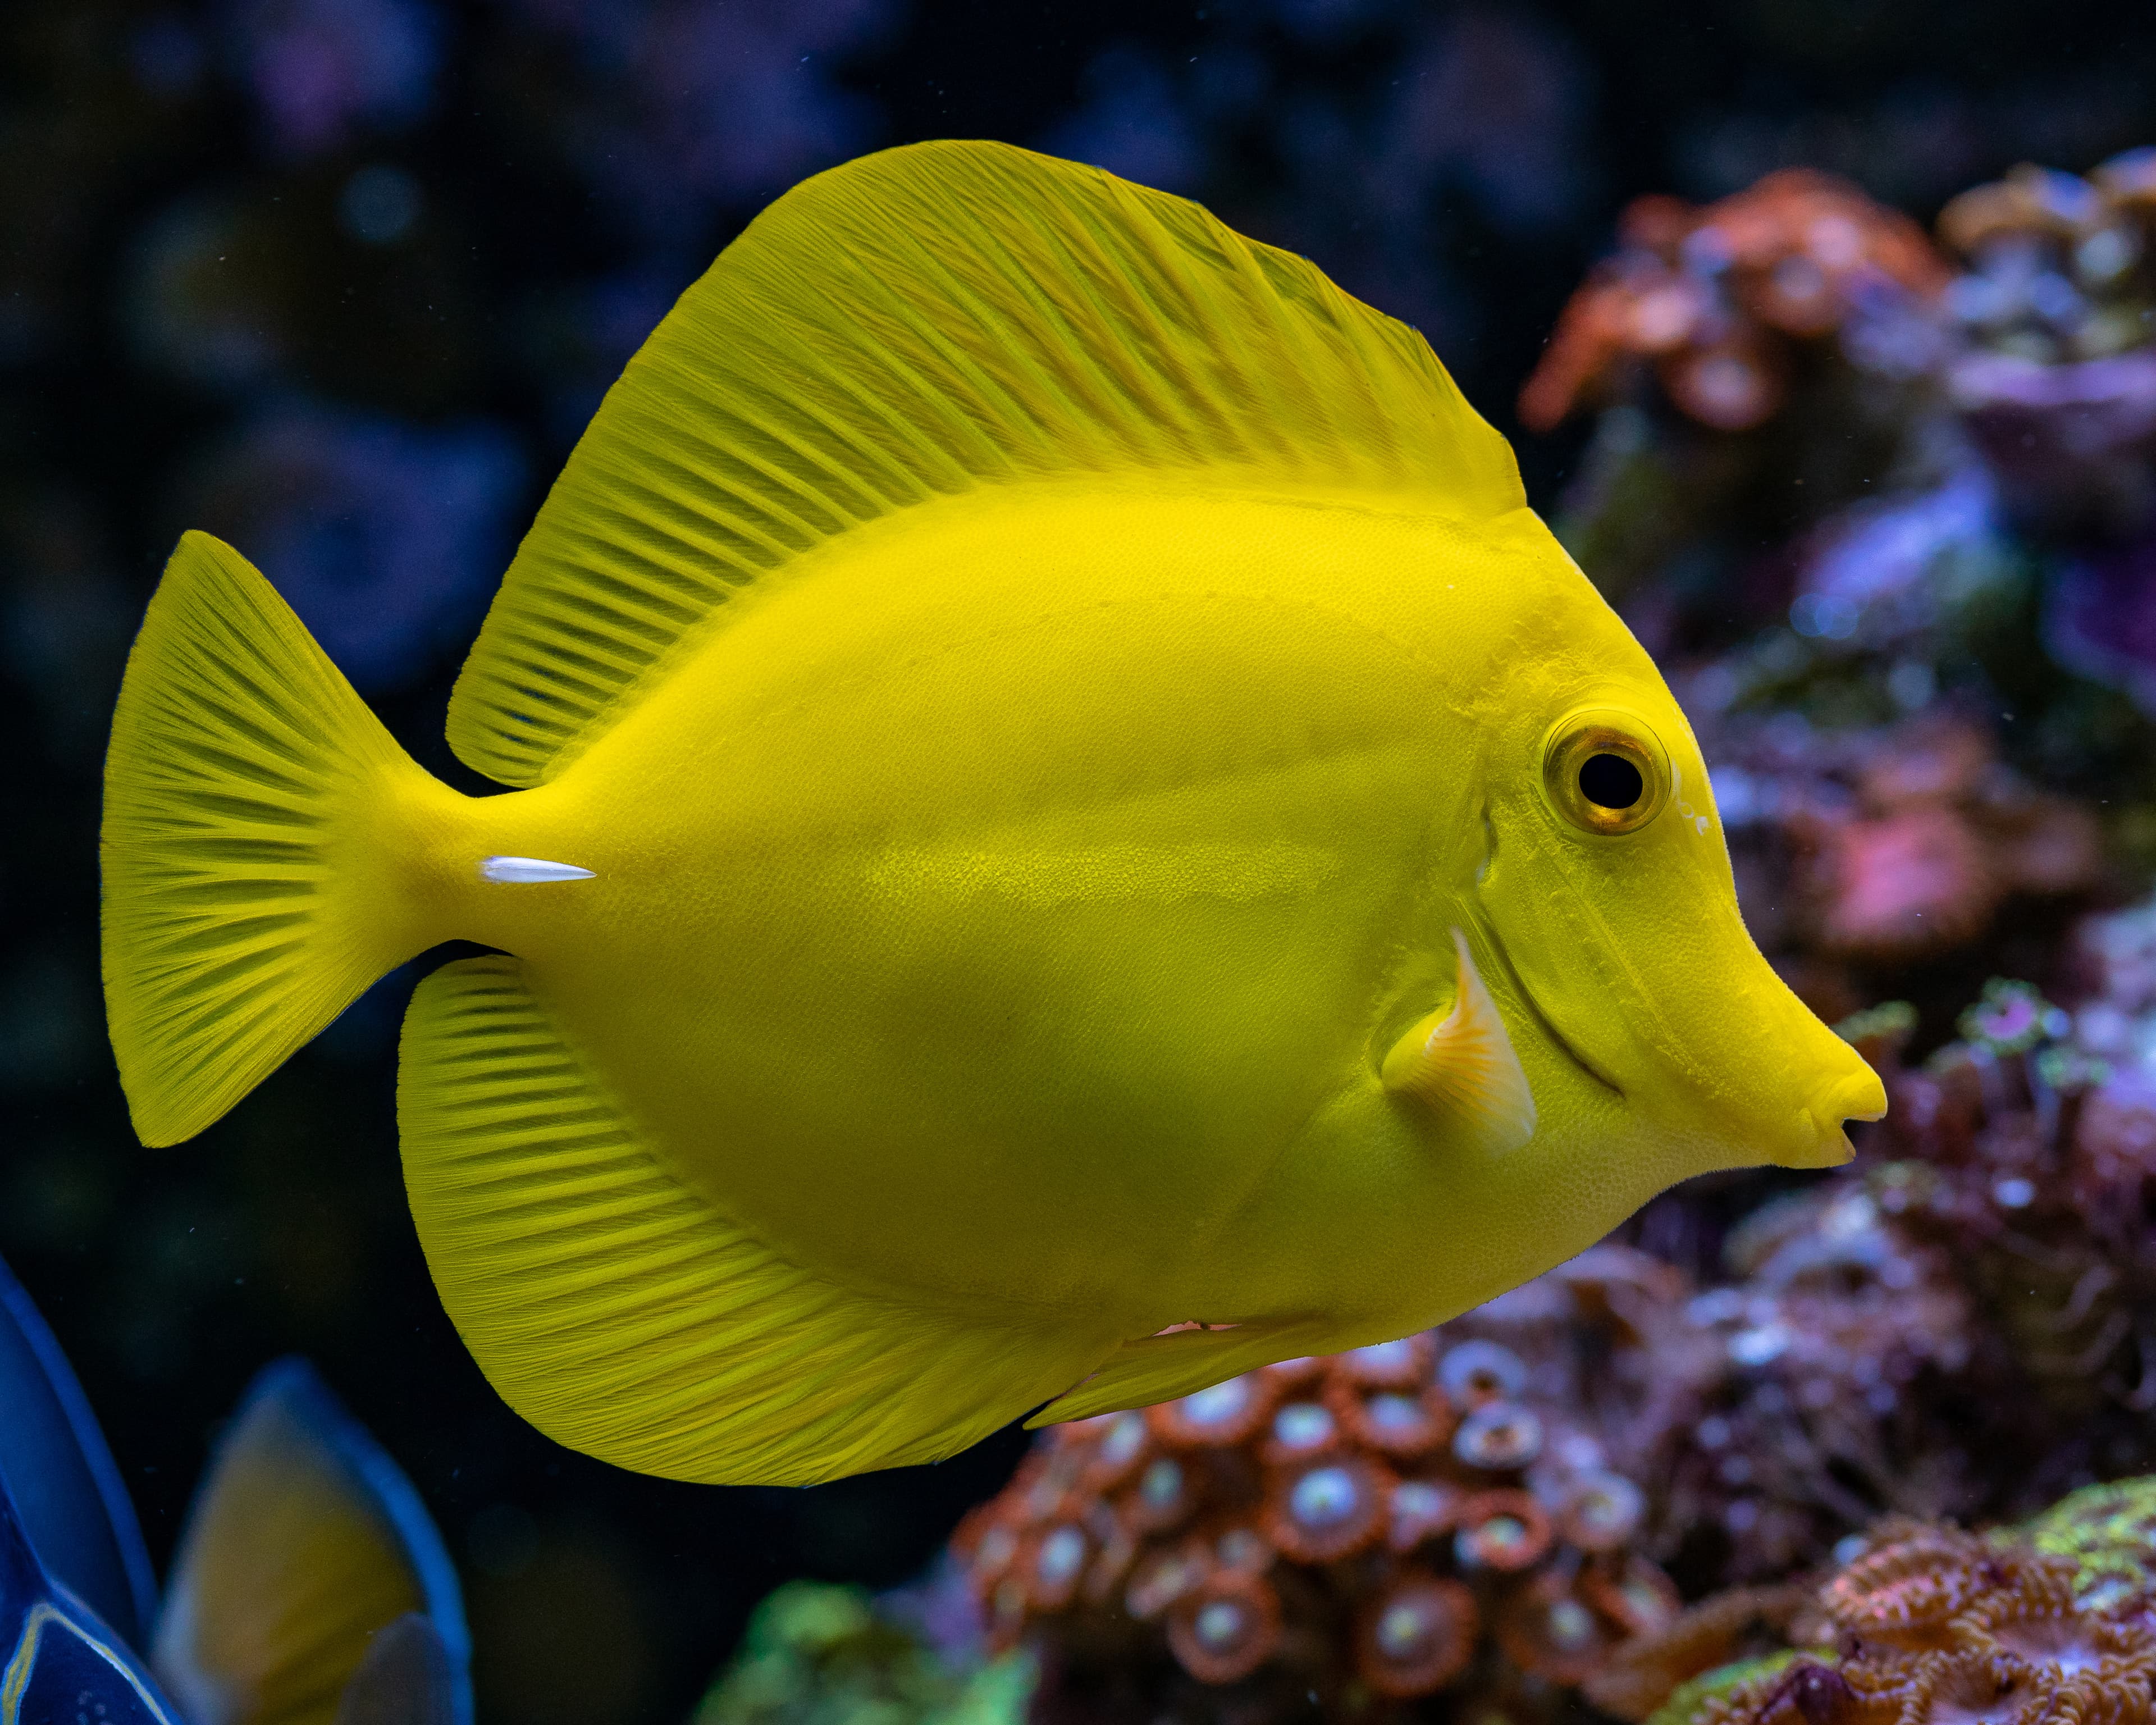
(1548, 1026)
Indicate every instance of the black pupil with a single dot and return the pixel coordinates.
(1610, 782)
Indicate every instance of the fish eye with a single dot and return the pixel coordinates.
(1604, 771)
(1611, 782)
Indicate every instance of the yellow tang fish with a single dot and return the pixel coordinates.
(1072, 835)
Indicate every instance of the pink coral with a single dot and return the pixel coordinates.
(1718, 300)
(1893, 845)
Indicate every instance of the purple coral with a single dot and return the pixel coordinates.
(686, 105)
(2100, 617)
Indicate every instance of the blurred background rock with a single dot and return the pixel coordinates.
(342, 280)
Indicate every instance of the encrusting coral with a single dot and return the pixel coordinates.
(2053, 375)
(1395, 1521)
(1925, 1625)
(1840, 1375)
(2028, 1152)
(1962, 1324)
(2108, 1534)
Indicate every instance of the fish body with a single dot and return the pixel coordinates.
(76, 1583)
(1081, 924)
(1052, 863)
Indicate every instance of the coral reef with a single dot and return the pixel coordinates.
(1758, 363)
(1396, 1522)
(1962, 1324)
(2054, 376)
(324, 274)
(1839, 1374)
(1909, 476)
(1924, 1626)
(2028, 1151)
(1720, 302)
(2108, 1534)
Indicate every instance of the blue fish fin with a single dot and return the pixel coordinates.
(59, 1661)
(618, 1310)
(1159, 1368)
(407, 1678)
(74, 1509)
(304, 1540)
(929, 321)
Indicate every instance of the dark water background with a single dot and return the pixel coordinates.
(341, 280)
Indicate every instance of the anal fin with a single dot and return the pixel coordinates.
(621, 1313)
(1159, 1368)
(1460, 1064)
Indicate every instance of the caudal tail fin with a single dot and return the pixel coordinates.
(248, 891)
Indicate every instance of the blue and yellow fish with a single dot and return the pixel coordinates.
(1070, 834)
(310, 1587)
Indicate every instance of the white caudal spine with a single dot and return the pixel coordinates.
(528, 870)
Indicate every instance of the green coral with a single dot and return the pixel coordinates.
(1688, 1700)
(2108, 1532)
(816, 1654)
(1880, 1033)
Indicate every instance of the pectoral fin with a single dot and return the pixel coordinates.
(1460, 1064)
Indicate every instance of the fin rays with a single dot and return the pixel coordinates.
(619, 1313)
(920, 324)
(1159, 1368)
(240, 758)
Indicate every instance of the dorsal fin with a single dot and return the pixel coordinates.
(919, 324)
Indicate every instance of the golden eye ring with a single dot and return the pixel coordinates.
(1605, 772)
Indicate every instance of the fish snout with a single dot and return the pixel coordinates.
(1819, 1139)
